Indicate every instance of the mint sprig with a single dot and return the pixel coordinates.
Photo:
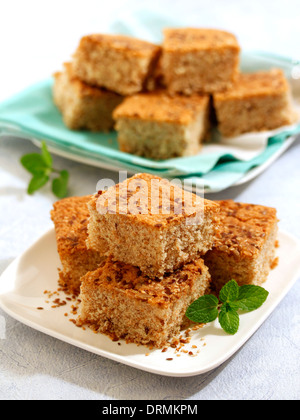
(41, 168)
(232, 298)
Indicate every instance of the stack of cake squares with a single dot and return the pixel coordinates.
(198, 85)
(104, 69)
(155, 236)
(164, 99)
(141, 252)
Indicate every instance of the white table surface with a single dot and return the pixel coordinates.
(35, 37)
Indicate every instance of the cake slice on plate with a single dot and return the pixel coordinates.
(119, 300)
(151, 223)
(70, 217)
(244, 248)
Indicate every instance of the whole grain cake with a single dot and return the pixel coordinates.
(161, 126)
(70, 217)
(257, 101)
(83, 106)
(117, 62)
(151, 223)
(117, 299)
(244, 248)
(197, 60)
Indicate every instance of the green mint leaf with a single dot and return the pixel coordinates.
(232, 298)
(34, 163)
(40, 166)
(251, 297)
(37, 182)
(46, 155)
(60, 184)
(229, 319)
(229, 292)
(203, 310)
(233, 305)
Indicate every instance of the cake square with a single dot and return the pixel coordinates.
(157, 125)
(257, 101)
(244, 248)
(83, 106)
(120, 301)
(70, 217)
(151, 223)
(117, 62)
(197, 60)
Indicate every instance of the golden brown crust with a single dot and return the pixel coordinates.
(119, 63)
(195, 39)
(261, 83)
(113, 275)
(257, 102)
(172, 205)
(70, 216)
(160, 106)
(196, 60)
(152, 224)
(121, 43)
(120, 301)
(244, 228)
(84, 89)
(83, 106)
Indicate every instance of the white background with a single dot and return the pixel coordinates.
(35, 38)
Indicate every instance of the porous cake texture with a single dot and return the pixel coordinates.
(244, 248)
(83, 106)
(117, 299)
(117, 62)
(70, 217)
(257, 101)
(199, 60)
(157, 125)
(151, 223)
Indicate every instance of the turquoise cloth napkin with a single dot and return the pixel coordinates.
(32, 114)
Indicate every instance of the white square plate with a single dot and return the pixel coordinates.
(23, 283)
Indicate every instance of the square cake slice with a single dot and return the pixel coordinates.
(159, 126)
(117, 62)
(118, 300)
(152, 224)
(70, 217)
(83, 106)
(257, 101)
(196, 60)
(244, 249)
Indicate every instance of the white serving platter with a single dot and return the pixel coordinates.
(22, 287)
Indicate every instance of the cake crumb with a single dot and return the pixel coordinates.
(274, 263)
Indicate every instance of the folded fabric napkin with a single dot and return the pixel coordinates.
(221, 163)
